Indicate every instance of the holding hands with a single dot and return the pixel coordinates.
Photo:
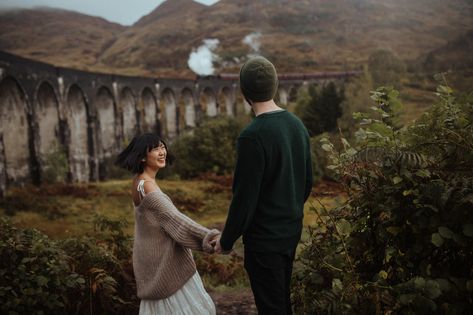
(211, 243)
(217, 247)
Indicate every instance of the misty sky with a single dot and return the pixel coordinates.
(125, 12)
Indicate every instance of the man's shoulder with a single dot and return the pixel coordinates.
(264, 128)
(296, 121)
(250, 131)
(293, 117)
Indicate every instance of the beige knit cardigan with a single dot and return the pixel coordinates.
(164, 237)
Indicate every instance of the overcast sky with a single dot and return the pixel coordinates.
(125, 12)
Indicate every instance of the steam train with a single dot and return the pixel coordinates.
(287, 76)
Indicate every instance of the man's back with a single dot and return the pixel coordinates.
(274, 159)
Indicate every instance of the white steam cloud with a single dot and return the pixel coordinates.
(253, 40)
(201, 60)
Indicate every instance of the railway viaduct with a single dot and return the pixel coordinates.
(45, 110)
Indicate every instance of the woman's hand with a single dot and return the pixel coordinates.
(208, 243)
(214, 241)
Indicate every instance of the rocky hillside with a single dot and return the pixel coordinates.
(457, 54)
(60, 37)
(297, 35)
(160, 41)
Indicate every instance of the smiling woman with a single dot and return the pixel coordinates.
(167, 281)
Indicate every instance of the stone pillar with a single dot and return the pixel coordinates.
(3, 169)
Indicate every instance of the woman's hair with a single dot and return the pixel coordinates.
(131, 157)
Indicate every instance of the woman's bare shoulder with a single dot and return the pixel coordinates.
(150, 185)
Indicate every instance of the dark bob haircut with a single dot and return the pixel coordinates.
(131, 158)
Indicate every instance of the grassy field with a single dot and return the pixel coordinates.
(62, 211)
(68, 210)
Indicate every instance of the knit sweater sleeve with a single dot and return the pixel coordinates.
(180, 227)
(247, 181)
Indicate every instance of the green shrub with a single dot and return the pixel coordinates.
(386, 68)
(55, 164)
(104, 261)
(210, 147)
(403, 241)
(357, 99)
(35, 277)
(86, 275)
(220, 270)
(320, 159)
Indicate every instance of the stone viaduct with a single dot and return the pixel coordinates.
(89, 117)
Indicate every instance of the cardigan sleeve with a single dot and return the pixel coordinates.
(180, 227)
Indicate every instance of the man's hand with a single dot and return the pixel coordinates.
(218, 248)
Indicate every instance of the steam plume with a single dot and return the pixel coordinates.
(201, 59)
(253, 40)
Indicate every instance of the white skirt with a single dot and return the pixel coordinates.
(191, 299)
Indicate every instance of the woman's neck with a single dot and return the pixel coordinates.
(149, 173)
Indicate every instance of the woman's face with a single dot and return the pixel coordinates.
(156, 158)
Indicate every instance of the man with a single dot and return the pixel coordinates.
(272, 180)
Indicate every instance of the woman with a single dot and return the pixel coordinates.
(166, 277)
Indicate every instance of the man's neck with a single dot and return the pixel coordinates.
(264, 107)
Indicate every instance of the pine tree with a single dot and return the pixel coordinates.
(323, 109)
(311, 115)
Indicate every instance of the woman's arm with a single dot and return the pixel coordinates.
(180, 227)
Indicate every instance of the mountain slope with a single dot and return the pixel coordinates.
(455, 55)
(159, 40)
(303, 35)
(55, 36)
(296, 35)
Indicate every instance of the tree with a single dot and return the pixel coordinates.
(209, 148)
(386, 69)
(357, 99)
(322, 109)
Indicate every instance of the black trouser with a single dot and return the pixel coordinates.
(270, 278)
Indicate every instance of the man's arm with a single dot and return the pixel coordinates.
(247, 180)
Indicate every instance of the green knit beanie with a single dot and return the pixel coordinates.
(258, 80)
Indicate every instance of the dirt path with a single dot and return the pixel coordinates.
(234, 303)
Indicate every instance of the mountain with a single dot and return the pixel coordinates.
(160, 40)
(55, 36)
(454, 60)
(303, 35)
(171, 10)
(455, 55)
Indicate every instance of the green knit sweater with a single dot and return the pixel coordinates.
(272, 180)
